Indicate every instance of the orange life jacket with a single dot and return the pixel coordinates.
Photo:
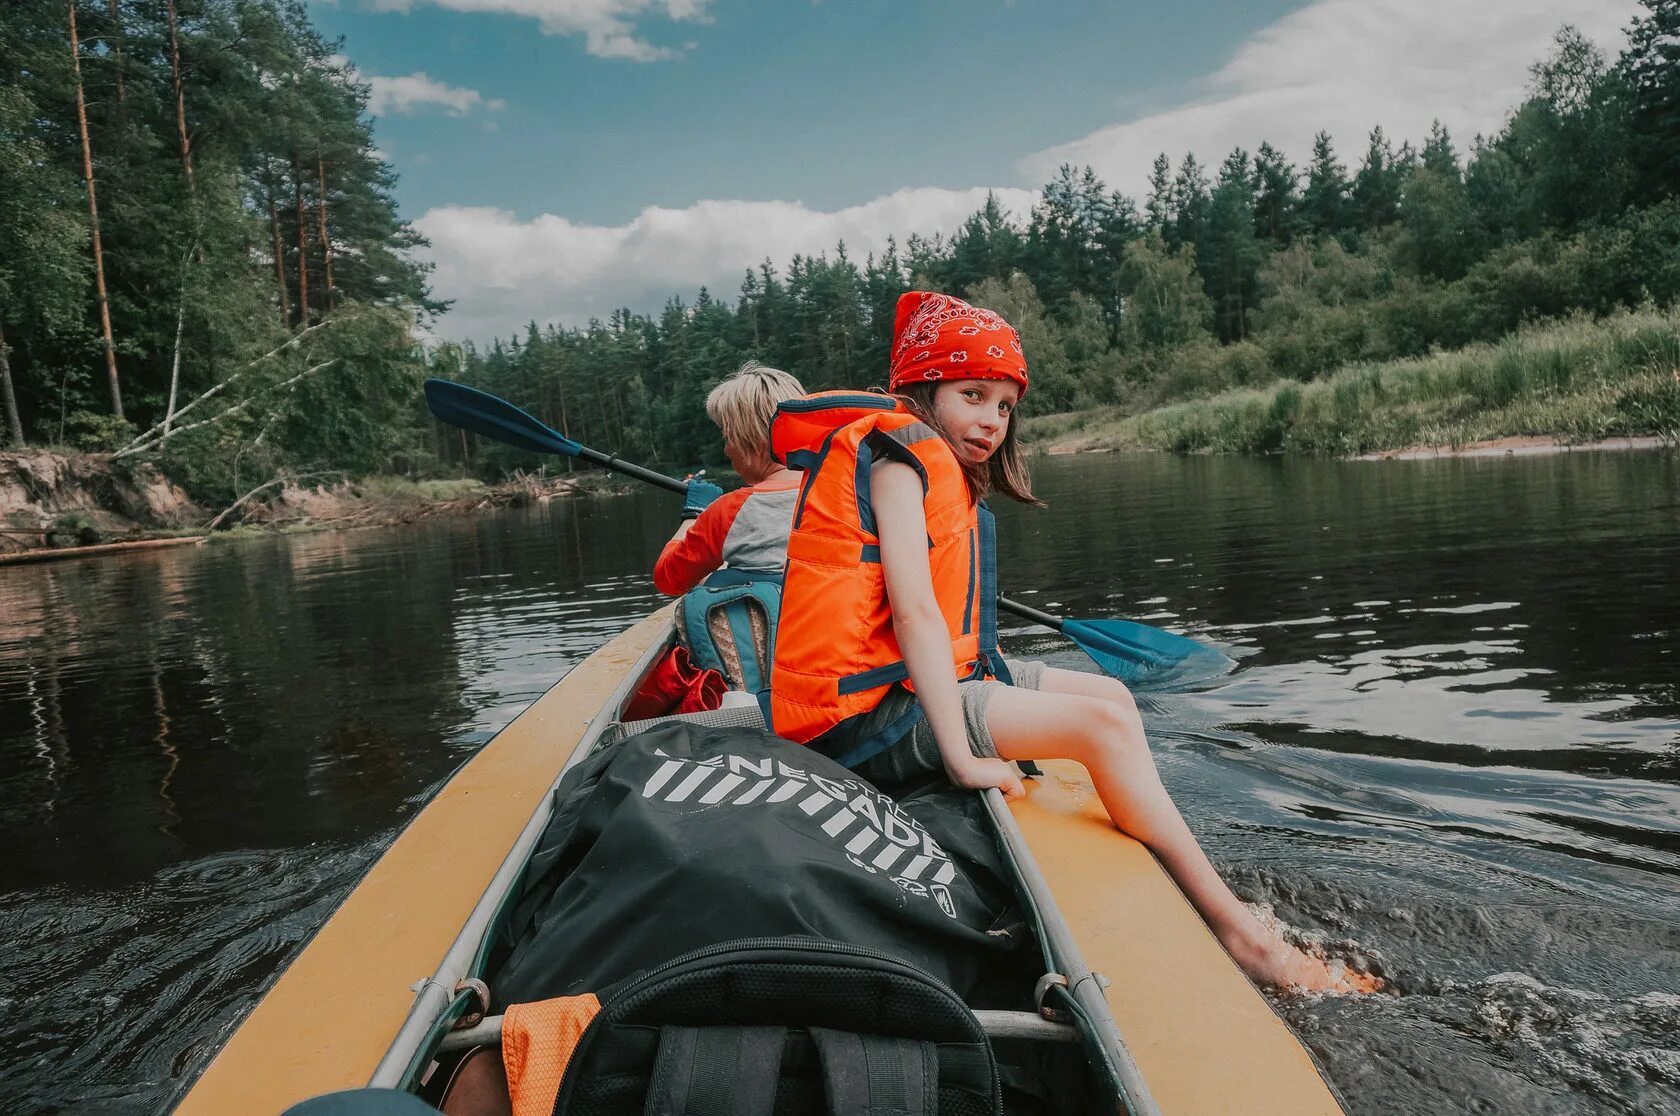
(836, 652)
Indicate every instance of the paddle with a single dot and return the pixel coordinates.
(1137, 654)
(1131, 652)
(494, 417)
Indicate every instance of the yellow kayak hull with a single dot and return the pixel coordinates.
(1206, 1041)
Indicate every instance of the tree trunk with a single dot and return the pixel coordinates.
(601, 409)
(303, 245)
(565, 425)
(279, 263)
(93, 215)
(13, 422)
(321, 228)
(175, 365)
(180, 98)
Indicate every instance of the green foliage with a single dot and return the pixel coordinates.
(1579, 379)
(1649, 74)
(94, 432)
(207, 253)
(1168, 307)
(1266, 275)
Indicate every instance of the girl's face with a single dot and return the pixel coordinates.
(975, 414)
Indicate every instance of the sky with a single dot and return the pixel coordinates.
(568, 157)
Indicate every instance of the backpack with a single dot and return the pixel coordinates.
(783, 1027)
(731, 628)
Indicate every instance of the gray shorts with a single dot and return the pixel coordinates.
(917, 753)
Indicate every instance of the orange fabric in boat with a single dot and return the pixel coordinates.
(537, 1043)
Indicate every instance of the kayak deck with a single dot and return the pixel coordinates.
(1206, 1041)
(328, 1020)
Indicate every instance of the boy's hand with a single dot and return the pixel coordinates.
(700, 494)
(981, 774)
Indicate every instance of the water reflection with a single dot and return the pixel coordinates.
(1451, 745)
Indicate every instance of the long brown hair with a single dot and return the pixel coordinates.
(1005, 470)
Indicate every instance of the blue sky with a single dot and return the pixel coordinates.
(832, 104)
(570, 156)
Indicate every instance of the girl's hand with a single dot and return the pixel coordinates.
(982, 774)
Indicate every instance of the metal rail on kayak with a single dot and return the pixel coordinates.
(438, 992)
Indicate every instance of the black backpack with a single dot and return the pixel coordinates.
(782, 1027)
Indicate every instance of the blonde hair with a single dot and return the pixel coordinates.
(743, 404)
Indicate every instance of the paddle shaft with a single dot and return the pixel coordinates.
(1026, 612)
(490, 416)
(630, 469)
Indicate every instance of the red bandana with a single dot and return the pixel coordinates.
(938, 337)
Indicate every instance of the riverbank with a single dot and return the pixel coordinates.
(1571, 384)
(73, 503)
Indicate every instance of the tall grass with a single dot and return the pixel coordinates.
(1578, 380)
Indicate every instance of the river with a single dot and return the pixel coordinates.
(1451, 747)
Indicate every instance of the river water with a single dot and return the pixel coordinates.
(1451, 748)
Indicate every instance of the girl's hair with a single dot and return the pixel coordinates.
(743, 404)
(1005, 470)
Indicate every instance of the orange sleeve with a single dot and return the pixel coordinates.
(685, 562)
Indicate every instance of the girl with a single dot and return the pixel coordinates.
(889, 572)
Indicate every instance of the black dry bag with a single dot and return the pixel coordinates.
(783, 1027)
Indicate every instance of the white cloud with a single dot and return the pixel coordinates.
(504, 272)
(609, 27)
(412, 92)
(1339, 65)
(1345, 66)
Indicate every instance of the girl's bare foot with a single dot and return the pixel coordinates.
(1271, 961)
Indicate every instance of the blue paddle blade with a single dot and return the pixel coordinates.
(1146, 657)
(483, 413)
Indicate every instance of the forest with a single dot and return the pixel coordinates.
(202, 263)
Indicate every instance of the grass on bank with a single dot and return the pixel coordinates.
(1578, 380)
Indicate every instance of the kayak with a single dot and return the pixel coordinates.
(1163, 1016)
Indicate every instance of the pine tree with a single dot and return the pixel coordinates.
(1377, 185)
(1229, 255)
(1651, 69)
(102, 294)
(1324, 200)
(1438, 152)
(1190, 201)
(1276, 200)
(1157, 208)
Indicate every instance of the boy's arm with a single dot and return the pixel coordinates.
(696, 550)
(923, 637)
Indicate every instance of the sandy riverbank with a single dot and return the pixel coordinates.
(54, 504)
(1533, 445)
(1518, 446)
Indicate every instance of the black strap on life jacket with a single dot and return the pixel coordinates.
(989, 596)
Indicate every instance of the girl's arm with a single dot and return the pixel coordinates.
(896, 492)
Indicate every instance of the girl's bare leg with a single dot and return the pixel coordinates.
(1094, 721)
